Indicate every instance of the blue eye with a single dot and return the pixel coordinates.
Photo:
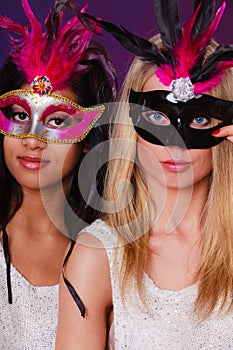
(156, 118)
(199, 120)
(201, 123)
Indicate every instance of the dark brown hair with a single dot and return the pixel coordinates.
(94, 83)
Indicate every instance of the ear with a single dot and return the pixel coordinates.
(86, 147)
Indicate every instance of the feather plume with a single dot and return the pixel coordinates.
(185, 50)
(52, 23)
(204, 18)
(36, 27)
(142, 48)
(61, 4)
(214, 79)
(54, 54)
(167, 16)
(221, 54)
(10, 25)
(188, 52)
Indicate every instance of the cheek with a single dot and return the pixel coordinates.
(9, 146)
(71, 156)
(202, 160)
(148, 156)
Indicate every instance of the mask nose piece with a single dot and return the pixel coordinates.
(179, 136)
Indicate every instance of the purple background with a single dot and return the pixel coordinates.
(136, 15)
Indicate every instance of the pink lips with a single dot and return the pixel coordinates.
(175, 166)
(32, 163)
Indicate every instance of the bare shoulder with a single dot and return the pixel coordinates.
(88, 250)
(88, 268)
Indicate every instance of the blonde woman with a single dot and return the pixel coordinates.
(157, 272)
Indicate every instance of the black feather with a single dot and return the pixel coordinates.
(204, 18)
(60, 4)
(221, 54)
(49, 26)
(168, 20)
(56, 18)
(142, 48)
(52, 24)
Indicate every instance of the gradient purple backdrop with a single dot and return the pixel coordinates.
(136, 15)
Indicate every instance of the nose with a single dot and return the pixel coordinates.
(32, 143)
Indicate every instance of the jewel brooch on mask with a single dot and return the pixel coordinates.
(182, 90)
(41, 85)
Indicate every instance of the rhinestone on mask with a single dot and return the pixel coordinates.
(41, 85)
(182, 89)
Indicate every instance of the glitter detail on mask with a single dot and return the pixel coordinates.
(182, 89)
(41, 85)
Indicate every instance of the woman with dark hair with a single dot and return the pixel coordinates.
(53, 90)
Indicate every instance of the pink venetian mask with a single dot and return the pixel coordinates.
(47, 117)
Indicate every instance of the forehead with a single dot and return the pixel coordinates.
(153, 83)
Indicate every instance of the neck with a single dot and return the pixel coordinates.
(172, 208)
(40, 212)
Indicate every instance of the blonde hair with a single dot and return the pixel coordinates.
(215, 272)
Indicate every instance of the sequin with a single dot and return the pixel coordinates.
(182, 89)
(166, 321)
(30, 322)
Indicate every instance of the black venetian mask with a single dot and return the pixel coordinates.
(164, 121)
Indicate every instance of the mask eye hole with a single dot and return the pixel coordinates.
(156, 118)
(58, 120)
(17, 114)
(201, 122)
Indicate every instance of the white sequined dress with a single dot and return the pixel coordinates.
(30, 322)
(166, 321)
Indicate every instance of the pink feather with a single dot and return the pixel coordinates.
(165, 74)
(36, 27)
(56, 59)
(216, 78)
(11, 25)
(188, 51)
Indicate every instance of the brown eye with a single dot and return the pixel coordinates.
(59, 120)
(20, 117)
(17, 114)
(56, 122)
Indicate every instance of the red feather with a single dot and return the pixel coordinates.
(54, 54)
(215, 78)
(188, 52)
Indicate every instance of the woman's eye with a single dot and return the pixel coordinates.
(156, 118)
(17, 114)
(20, 117)
(56, 122)
(201, 123)
(59, 120)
